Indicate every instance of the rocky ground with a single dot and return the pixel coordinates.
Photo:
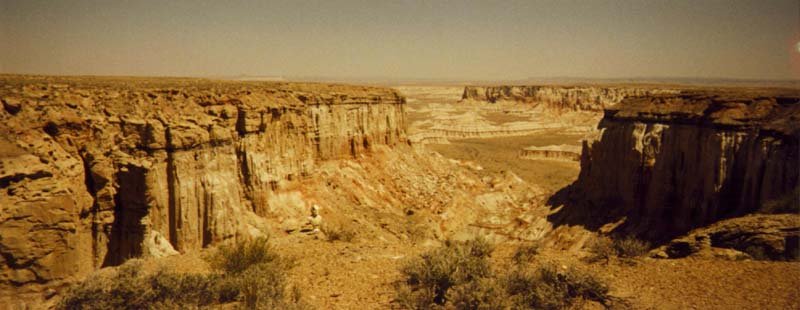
(364, 273)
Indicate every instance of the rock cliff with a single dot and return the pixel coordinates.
(552, 152)
(564, 98)
(672, 162)
(95, 171)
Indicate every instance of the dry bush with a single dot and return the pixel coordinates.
(458, 276)
(601, 248)
(257, 273)
(431, 276)
(190, 289)
(526, 252)
(237, 257)
(482, 293)
(604, 248)
(338, 233)
(264, 286)
(630, 247)
(129, 289)
(249, 271)
(547, 287)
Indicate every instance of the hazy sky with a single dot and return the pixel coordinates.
(404, 39)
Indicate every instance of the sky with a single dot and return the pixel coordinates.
(478, 40)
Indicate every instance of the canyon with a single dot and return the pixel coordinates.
(97, 171)
(554, 152)
(561, 98)
(673, 162)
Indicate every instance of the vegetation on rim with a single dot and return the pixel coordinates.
(250, 272)
(459, 275)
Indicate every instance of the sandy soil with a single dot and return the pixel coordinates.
(496, 155)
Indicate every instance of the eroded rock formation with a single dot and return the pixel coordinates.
(673, 162)
(552, 152)
(564, 98)
(93, 172)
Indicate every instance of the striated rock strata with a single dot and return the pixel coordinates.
(95, 171)
(552, 152)
(564, 98)
(673, 162)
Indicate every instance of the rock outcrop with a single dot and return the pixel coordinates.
(563, 98)
(552, 152)
(672, 162)
(96, 171)
(486, 131)
(757, 236)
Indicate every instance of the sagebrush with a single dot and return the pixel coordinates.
(525, 252)
(604, 248)
(430, 276)
(338, 233)
(458, 275)
(249, 272)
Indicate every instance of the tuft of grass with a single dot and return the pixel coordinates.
(526, 252)
(338, 233)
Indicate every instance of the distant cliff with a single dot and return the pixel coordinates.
(673, 162)
(567, 98)
(95, 171)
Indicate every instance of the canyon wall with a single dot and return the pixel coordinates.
(95, 171)
(671, 162)
(552, 152)
(565, 98)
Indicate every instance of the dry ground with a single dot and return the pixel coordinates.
(362, 275)
(496, 155)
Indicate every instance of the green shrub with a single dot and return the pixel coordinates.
(434, 273)
(263, 286)
(601, 248)
(249, 271)
(630, 247)
(259, 275)
(237, 257)
(604, 248)
(458, 276)
(482, 293)
(549, 288)
(526, 252)
(129, 289)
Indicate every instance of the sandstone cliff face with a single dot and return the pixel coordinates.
(558, 97)
(93, 172)
(670, 163)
